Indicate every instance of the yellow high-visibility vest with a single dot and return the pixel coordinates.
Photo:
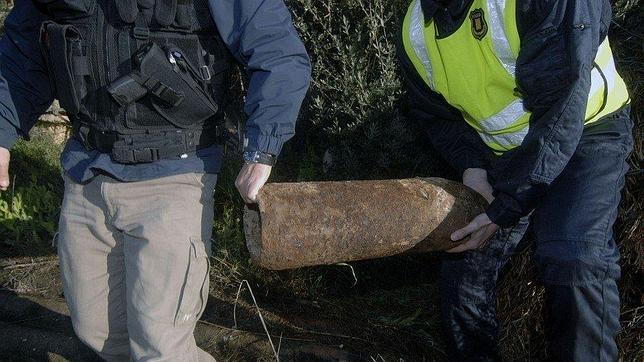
(474, 70)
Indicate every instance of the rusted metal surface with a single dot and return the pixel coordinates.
(314, 223)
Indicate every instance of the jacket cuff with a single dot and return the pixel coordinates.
(264, 143)
(8, 138)
(504, 211)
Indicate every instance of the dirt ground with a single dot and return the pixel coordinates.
(35, 324)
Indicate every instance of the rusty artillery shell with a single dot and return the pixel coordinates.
(314, 223)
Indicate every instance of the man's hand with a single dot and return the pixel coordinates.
(251, 178)
(476, 179)
(480, 230)
(4, 168)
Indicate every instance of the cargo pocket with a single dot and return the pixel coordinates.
(62, 46)
(194, 294)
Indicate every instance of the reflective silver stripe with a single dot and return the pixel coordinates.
(417, 38)
(506, 140)
(610, 72)
(504, 118)
(500, 40)
(596, 82)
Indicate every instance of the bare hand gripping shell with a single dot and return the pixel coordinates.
(314, 223)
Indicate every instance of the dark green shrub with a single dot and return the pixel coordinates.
(351, 120)
(29, 210)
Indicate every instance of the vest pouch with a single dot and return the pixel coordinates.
(69, 9)
(62, 45)
(175, 91)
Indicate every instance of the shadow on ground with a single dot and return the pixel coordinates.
(38, 329)
(376, 317)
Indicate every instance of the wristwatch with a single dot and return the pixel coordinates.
(259, 157)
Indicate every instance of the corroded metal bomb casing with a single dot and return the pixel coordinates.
(313, 223)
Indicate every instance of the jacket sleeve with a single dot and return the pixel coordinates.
(451, 136)
(559, 40)
(25, 91)
(260, 34)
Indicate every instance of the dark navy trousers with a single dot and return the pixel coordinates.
(575, 254)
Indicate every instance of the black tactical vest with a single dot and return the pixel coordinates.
(142, 80)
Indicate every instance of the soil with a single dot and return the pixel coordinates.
(35, 323)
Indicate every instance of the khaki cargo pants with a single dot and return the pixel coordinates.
(134, 261)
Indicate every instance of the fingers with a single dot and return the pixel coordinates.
(476, 179)
(488, 196)
(474, 225)
(481, 229)
(461, 248)
(490, 230)
(250, 180)
(4, 169)
(472, 243)
(253, 189)
(247, 192)
(241, 183)
(4, 178)
(478, 240)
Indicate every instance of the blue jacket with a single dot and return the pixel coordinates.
(259, 34)
(553, 75)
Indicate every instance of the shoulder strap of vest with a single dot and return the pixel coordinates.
(165, 11)
(128, 10)
(184, 17)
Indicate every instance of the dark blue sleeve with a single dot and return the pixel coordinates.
(260, 34)
(553, 74)
(25, 91)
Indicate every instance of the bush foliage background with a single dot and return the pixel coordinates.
(352, 127)
(355, 108)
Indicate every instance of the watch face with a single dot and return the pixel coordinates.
(259, 157)
(249, 156)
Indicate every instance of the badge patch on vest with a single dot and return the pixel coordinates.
(479, 26)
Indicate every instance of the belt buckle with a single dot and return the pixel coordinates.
(144, 155)
(121, 153)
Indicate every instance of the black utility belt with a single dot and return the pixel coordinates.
(146, 148)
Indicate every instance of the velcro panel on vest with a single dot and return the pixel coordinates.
(184, 14)
(146, 4)
(128, 10)
(165, 11)
(194, 15)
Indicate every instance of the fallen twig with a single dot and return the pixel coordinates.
(353, 273)
(331, 334)
(25, 265)
(259, 312)
(255, 332)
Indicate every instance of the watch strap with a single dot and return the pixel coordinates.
(260, 157)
